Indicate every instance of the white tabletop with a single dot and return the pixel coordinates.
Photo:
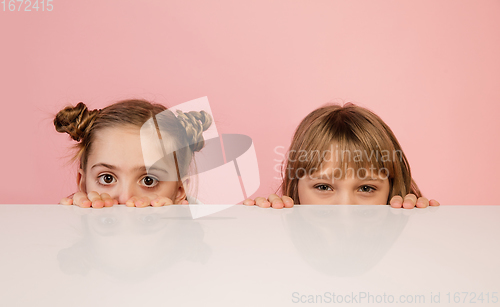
(54, 255)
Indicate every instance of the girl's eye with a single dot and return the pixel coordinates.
(149, 182)
(323, 187)
(366, 189)
(106, 179)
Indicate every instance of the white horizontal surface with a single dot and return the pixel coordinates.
(54, 255)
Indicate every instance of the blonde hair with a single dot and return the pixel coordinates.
(351, 128)
(82, 125)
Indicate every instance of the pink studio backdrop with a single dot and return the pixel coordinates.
(430, 69)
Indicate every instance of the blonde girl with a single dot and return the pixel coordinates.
(345, 155)
(111, 162)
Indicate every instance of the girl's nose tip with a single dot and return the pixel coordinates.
(123, 197)
(124, 191)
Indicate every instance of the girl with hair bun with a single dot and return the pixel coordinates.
(345, 155)
(111, 163)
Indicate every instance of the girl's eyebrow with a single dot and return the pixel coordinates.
(137, 169)
(105, 165)
(143, 169)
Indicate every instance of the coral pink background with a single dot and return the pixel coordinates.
(430, 69)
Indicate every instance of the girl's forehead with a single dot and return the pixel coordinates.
(130, 138)
(116, 139)
(117, 132)
(125, 148)
(116, 146)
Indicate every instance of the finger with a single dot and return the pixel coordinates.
(108, 201)
(410, 201)
(433, 203)
(249, 202)
(142, 202)
(276, 201)
(161, 201)
(96, 199)
(184, 202)
(157, 202)
(80, 199)
(262, 202)
(396, 202)
(146, 201)
(288, 201)
(66, 201)
(131, 201)
(422, 202)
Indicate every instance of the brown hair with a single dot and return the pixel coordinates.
(82, 125)
(354, 130)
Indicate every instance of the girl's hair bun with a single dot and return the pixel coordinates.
(75, 121)
(195, 123)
